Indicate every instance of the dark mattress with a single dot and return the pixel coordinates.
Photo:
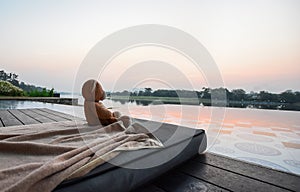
(131, 169)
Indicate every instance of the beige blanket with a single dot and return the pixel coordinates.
(39, 157)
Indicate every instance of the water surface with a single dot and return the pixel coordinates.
(267, 137)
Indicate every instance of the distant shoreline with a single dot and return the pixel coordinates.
(146, 100)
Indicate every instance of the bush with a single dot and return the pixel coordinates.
(8, 89)
(43, 93)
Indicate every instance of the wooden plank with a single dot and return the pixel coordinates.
(38, 117)
(1, 124)
(4, 114)
(149, 188)
(229, 180)
(8, 119)
(278, 178)
(60, 114)
(25, 119)
(11, 122)
(49, 115)
(176, 182)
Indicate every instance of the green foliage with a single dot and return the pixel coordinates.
(8, 89)
(163, 93)
(237, 95)
(10, 86)
(13, 79)
(38, 93)
(289, 96)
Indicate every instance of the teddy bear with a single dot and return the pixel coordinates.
(95, 112)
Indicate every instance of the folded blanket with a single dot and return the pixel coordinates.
(39, 157)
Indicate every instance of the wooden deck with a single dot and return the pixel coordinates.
(211, 172)
(12, 117)
(208, 172)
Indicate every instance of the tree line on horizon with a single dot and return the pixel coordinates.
(287, 96)
(27, 89)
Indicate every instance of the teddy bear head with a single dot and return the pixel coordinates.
(92, 91)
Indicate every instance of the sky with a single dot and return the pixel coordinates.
(255, 44)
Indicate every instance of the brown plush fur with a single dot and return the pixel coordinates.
(95, 112)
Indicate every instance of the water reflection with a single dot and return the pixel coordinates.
(10, 104)
(233, 104)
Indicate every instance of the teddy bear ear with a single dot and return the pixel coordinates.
(89, 89)
(103, 96)
(100, 93)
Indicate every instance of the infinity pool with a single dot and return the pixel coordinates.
(267, 137)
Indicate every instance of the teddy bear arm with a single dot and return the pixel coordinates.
(102, 112)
